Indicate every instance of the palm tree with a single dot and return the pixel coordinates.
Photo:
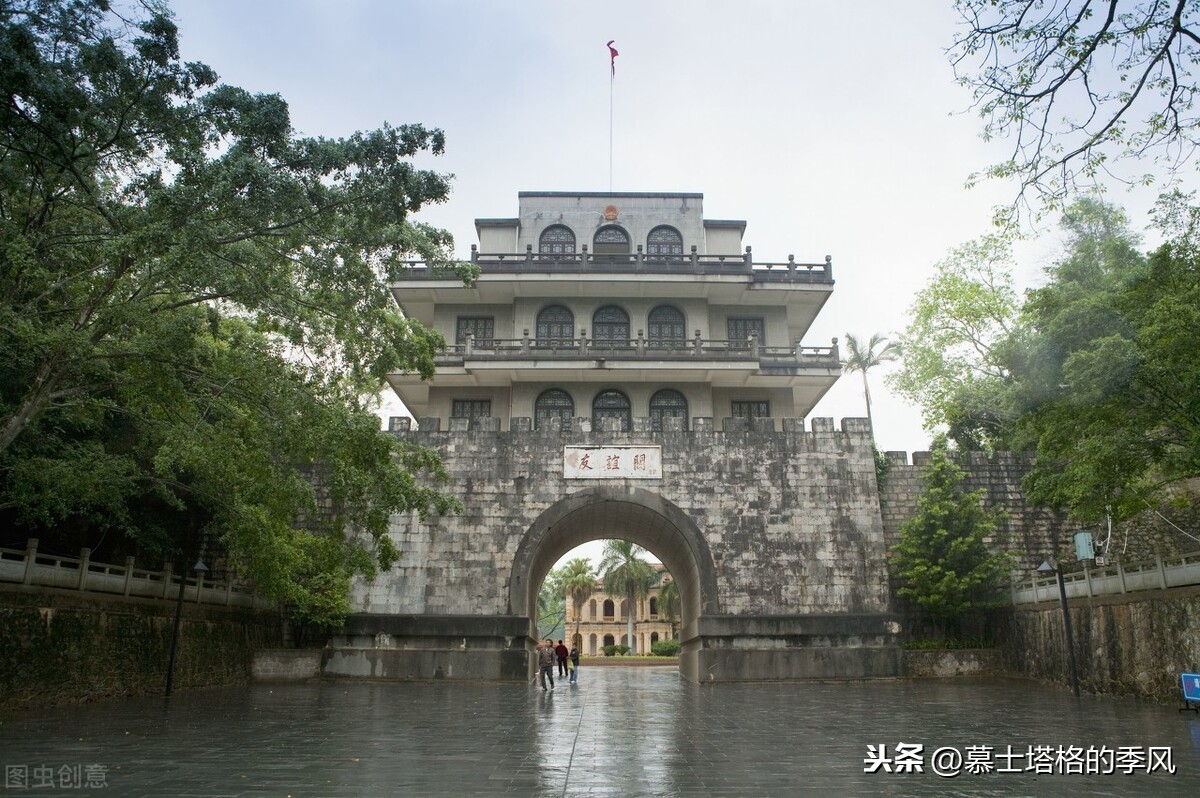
(624, 572)
(864, 359)
(578, 582)
(668, 602)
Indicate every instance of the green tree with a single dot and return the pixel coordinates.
(194, 305)
(864, 358)
(1112, 366)
(957, 349)
(552, 606)
(1081, 89)
(943, 562)
(625, 573)
(578, 583)
(668, 602)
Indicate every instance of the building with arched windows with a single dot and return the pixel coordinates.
(604, 622)
(623, 306)
(623, 367)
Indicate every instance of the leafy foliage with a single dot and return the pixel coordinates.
(615, 651)
(625, 573)
(1081, 89)
(578, 580)
(1113, 367)
(864, 357)
(1096, 370)
(957, 346)
(943, 561)
(552, 606)
(193, 305)
(665, 648)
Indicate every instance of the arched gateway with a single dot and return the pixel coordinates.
(628, 513)
(774, 537)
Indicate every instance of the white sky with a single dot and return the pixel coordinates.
(832, 128)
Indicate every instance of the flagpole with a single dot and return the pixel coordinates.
(612, 78)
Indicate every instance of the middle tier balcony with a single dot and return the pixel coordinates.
(719, 363)
(696, 350)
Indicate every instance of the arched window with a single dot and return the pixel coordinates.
(557, 239)
(667, 403)
(608, 640)
(653, 606)
(610, 324)
(555, 326)
(664, 243)
(593, 609)
(624, 610)
(665, 325)
(611, 404)
(653, 638)
(611, 241)
(609, 609)
(555, 403)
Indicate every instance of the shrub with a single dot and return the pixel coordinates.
(615, 651)
(665, 648)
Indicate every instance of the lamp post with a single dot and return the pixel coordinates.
(1047, 568)
(200, 568)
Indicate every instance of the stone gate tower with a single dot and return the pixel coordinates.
(622, 368)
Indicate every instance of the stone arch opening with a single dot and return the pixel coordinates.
(632, 514)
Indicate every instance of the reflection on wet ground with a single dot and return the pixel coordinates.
(618, 732)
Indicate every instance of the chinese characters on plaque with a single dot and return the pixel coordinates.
(612, 462)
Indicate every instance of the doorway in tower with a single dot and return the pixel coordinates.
(615, 571)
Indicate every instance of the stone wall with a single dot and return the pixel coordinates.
(1026, 530)
(64, 647)
(1124, 645)
(773, 534)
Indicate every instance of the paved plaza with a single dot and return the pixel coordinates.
(619, 732)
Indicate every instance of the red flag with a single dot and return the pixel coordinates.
(612, 57)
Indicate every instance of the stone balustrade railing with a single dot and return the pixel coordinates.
(1157, 574)
(32, 568)
(642, 348)
(634, 263)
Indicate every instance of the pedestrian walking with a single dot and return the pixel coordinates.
(560, 651)
(573, 664)
(546, 659)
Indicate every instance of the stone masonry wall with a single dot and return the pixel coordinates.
(791, 517)
(1026, 530)
(1135, 645)
(65, 647)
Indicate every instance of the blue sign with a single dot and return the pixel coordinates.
(1191, 687)
(1084, 550)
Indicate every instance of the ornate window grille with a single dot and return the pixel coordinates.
(751, 409)
(554, 403)
(740, 328)
(611, 324)
(667, 403)
(557, 239)
(611, 404)
(664, 243)
(482, 327)
(611, 241)
(555, 326)
(665, 325)
(471, 408)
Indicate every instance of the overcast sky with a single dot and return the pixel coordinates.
(832, 128)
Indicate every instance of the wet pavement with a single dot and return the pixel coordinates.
(619, 732)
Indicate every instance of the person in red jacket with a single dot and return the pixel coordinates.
(561, 652)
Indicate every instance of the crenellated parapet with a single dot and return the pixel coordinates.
(672, 427)
(1025, 529)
